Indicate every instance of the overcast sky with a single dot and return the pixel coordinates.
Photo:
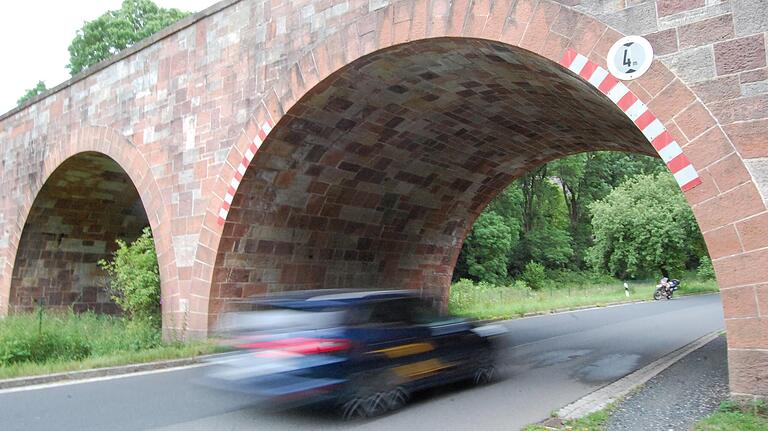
(35, 34)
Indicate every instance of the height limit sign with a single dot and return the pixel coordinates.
(630, 57)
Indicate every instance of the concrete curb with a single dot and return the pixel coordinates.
(602, 397)
(102, 372)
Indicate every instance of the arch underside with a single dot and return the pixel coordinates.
(373, 178)
(83, 207)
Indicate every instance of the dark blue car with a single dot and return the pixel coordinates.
(364, 352)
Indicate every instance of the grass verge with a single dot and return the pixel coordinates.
(52, 342)
(596, 421)
(28, 369)
(485, 301)
(733, 416)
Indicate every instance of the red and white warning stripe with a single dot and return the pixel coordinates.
(250, 152)
(685, 174)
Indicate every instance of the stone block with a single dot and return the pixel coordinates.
(754, 233)
(749, 16)
(704, 32)
(640, 19)
(718, 89)
(749, 138)
(743, 269)
(758, 168)
(694, 120)
(663, 42)
(747, 373)
(723, 242)
(747, 333)
(729, 172)
(692, 65)
(739, 55)
(729, 207)
(739, 302)
(671, 7)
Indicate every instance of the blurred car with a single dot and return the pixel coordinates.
(363, 352)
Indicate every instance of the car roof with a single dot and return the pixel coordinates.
(328, 298)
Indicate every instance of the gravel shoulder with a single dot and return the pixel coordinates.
(679, 396)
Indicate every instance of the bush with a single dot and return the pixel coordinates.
(706, 271)
(135, 278)
(534, 275)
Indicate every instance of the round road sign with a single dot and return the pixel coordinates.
(630, 57)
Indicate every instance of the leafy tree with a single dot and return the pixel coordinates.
(488, 247)
(31, 93)
(116, 30)
(550, 245)
(135, 278)
(706, 271)
(549, 208)
(534, 275)
(644, 226)
(587, 177)
(544, 237)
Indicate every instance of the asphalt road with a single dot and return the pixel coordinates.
(553, 360)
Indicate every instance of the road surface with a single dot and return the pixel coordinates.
(553, 360)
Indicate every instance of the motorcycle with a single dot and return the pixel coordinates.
(666, 289)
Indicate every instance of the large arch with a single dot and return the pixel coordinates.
(727, 204)
(374, 178)
(93, 186)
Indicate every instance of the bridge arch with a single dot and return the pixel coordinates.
(727, 204)
(93, 187)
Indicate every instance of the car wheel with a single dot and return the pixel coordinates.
(483, 375)
(485, 370)
(372, 395)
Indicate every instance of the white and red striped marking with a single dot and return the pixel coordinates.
(250, 152)
(685, 174)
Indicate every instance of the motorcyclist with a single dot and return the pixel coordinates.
(667, 283)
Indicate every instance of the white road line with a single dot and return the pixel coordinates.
(99, 379)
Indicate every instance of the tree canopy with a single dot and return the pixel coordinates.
(644, 226)
(616, 213)
(31, 93)
(116, 30)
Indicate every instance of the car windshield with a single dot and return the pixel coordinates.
(270, 318)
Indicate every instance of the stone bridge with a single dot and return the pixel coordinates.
(276, 145)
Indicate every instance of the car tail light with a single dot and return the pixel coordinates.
(300, 346)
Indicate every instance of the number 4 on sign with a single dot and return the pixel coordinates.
(627, 61)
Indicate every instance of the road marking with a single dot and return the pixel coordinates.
(99, 379)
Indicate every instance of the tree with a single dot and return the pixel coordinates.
(587, 177)
(116, 30)
(643, 227)
(488, 247)
(31, 93)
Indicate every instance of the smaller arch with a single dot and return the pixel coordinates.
(86, 157)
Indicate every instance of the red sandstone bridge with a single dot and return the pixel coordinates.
(315, 144)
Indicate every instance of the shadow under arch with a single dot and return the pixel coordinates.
(373, 177)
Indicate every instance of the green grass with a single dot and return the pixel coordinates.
(66, 341)
(189, 350)
(596, 421)
(732, 416)
(489, 302)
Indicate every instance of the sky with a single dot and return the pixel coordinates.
(35, 34)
